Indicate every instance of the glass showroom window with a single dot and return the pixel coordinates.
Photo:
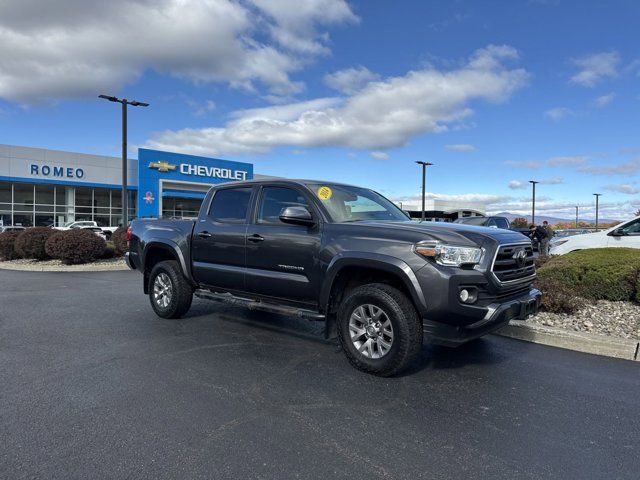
(5, 203)
(45, 205)
(102, 207)
(23, 204)
(84, 204)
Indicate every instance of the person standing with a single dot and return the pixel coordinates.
(539, 234)
(550, 234)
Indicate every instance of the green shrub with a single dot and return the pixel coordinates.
(119, 239)
(594, 274)
(77, 246)
(30, 243)
(7, 245)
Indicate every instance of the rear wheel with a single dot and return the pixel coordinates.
(169, 291)
(379, 329)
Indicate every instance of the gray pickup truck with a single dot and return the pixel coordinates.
(343, 255)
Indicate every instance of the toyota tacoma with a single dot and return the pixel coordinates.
(343, 255)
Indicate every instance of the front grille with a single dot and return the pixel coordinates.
(508, 268)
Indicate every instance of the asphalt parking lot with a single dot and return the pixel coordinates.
(93, 385)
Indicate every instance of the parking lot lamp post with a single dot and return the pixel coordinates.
(533, 201)
(597, 195)
(576, 216)
(133, 103)
(424, 175)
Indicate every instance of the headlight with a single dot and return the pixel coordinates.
(449, 255)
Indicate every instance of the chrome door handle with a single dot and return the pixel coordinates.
(204, 235)
(256, 238)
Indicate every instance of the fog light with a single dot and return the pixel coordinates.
(464, 295)
(468, 295)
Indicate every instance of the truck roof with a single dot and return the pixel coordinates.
(297, 181)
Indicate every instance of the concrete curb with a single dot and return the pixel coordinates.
(578, 341)
(64, 268)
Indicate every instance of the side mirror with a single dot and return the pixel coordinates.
(296, 216)
(618, 232)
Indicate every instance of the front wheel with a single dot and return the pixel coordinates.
(379, 329)
(169, 292)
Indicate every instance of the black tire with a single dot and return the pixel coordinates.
(179, 295)
(407, 329)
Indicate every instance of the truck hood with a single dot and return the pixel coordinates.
(457, 233)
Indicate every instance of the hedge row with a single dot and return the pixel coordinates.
(69, 246)
(76, 246)
(570, 280)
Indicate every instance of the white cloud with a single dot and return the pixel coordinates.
(76, 48)
(530, 164)
(378, 155)
(523, 184)
(199, 109)
(567, 161)
(562, 161)
(295, 22)
(558, 113)
(546, 206)
(460, 147)
(350, 80)
(594, 68)
(551, 181)
(383, 115)
(604, 100)
(628, 168)
(627, 188)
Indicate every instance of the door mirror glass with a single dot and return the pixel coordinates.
(296, 216)
(618, 232)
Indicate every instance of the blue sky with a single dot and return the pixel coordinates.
(495, 93)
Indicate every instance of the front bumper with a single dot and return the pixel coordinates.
(129, 261)
(497, 316)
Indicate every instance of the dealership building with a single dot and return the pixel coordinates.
(41, 187)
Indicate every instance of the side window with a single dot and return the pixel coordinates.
(632, 228)
(274, 199)
(230, 205)
(492, 223)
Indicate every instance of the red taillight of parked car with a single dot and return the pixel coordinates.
(129, 235)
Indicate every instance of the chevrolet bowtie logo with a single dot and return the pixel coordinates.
(162, 166)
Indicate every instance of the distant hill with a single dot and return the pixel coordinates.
(553, 220)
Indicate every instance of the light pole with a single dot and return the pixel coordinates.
(576, 216)
(533, 202)
(597, 195)
(424, 175)
(125, 197)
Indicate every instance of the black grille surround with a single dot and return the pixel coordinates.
(514, 263)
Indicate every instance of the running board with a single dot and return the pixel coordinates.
(258, 305)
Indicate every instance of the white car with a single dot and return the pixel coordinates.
(87, 224)
(626, 234)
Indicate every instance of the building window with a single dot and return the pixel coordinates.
(54, 205)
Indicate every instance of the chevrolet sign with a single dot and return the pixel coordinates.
(215, 172)
(162, 166)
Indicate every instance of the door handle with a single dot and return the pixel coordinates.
(204, 234)
(256, 238)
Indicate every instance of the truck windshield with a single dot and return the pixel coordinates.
(351, 204)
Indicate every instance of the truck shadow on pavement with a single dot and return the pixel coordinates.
(482, 351)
